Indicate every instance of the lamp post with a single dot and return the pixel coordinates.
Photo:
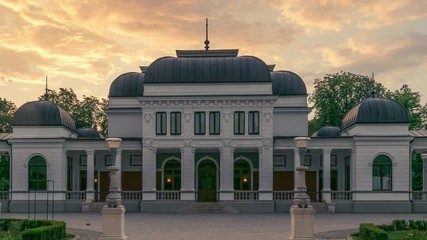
(301, 210)
(113, 227)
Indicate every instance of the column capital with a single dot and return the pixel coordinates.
(90, 151)
(424, 156)
(327, 150)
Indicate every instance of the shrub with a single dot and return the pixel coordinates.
(387, 227)
(35, 229)
(400, 224)
(369, 231)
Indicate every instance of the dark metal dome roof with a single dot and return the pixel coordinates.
(376, 110)
(327, 131)
(287, 83)
(129, 84)
(89, 133)
(42, 113)
(207, 70)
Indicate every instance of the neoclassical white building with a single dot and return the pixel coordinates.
(212, 126)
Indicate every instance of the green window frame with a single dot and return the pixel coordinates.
(175, 123)
(382, 174)
(253, 122)
(37, 174)
(172, 176)
(4, 172)
(239, 123)
(69, 173)
(214, 123)
(199, 123)
(161, 123)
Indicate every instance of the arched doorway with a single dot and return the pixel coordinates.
(207, 182)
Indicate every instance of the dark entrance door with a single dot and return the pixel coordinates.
(207, 181)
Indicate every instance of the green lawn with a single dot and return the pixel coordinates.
(407, 235)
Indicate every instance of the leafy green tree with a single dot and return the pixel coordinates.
(336, 94)
(417, 113)
(4, 173)
(88, 112)
(7, 110)
(417, 173)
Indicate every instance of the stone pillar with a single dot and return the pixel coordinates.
(118, 164)
(226, 174)
(326, 191)
(149, 172)
(90, 166)
(297, 163)
(424, 157)
(187, 174)
(265, 173)
(353, 171)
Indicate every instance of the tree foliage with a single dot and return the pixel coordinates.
(336, 94)
(88, 112)
(417, 113)
(7, 110)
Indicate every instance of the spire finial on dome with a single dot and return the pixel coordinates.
(46, 96)
(373, 94)
(207, 37)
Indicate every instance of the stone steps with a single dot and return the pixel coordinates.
(96, 206)
(320, 207)
(211, 207)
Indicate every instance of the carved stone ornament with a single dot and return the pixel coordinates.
(267, 116)
(187, 142)
(148, 117)
(187, 118)
(267, 143)
(226, 141)
(227, 117)
(148, 143)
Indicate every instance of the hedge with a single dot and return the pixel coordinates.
(369, 231)
(36, 229)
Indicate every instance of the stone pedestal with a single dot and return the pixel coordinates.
(113, 223)
(301, 223)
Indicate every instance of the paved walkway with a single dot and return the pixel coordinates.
(219, 226)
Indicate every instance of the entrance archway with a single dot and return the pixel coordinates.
(207, 182)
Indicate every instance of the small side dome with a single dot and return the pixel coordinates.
(287, 83)
(129, 84)
(376, 110)
(89, 133)
(327, 131)
(42, 113)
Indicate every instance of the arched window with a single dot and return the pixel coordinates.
(172, 175)
(382, 173)
(37, 173)
(242, 175)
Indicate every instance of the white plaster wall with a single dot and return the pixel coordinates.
(54, 155)
(377, 130)
(291, 101)
(42, 132)
(290, 123)
(203, 89)
(125, 124)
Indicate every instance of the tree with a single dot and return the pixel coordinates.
(88, 112)
(417, 113)
(417, 173)
(4, 173)
(336, 94)
(7, 110)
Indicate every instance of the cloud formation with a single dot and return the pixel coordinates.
(86, 44)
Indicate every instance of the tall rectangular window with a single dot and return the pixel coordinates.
(175, 122)
(214, 123)
(239, 123)
(253, 122)
(199, 123)
(161, 123)
(69, 173)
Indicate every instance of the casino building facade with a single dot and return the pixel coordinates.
(212, 126)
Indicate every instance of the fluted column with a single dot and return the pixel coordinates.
(424, 157)
(118, 164)
(226, 173)
(149, 173)
(90, 166)
(326, 191)
(297, 163)
(187, 174)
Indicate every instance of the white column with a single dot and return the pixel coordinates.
(118, 164)
(149, 173)
(424, 157)
(64, 170)
(326, 175)
(296, 165)
(265, 173)
(90, 166)
(187, 174)
(226, 174)
(353, 171)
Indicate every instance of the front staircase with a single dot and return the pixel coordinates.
(92, 206)
(207, 207)
(320, 207)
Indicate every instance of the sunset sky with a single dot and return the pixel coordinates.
(86, 44)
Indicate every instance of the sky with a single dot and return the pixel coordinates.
(86, 44)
